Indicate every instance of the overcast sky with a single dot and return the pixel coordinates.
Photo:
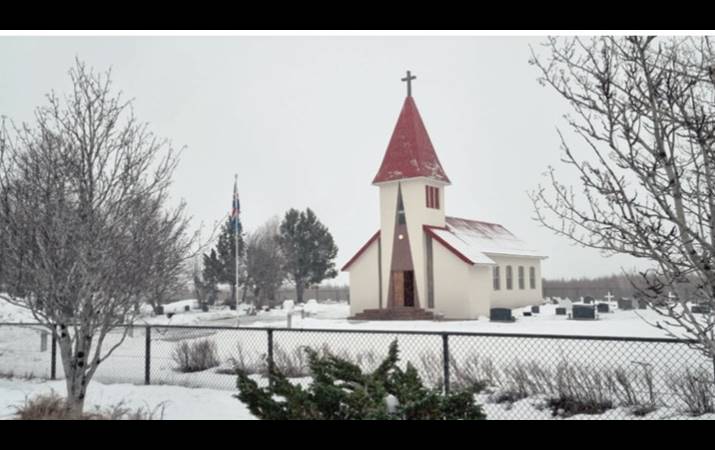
(305, 121)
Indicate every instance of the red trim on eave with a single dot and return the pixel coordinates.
(362, 249)
(460, 255)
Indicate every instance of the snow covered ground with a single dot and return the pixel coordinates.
(179, 403)
(21, 353)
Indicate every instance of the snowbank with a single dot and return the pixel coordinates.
(180, 403)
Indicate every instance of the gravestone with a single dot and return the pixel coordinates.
(588, 299)
(205, 307)
(701, 309)
(560, 311)
(232, 307)
(500, 315)
(169, 315)
(527, 314)
(603, 308)
(583, 312)
(187, 308)
(625, 304)
(159, 310)
(642, 304)
(535, 309)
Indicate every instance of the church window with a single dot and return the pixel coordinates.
(521, 277)
(532, 277)
(432, 197)
(509, 276)
(495, 278)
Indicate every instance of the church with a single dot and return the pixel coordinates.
(423, 264)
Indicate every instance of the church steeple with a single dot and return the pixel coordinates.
(410, 152)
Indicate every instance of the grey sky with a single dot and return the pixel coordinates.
(305, 121)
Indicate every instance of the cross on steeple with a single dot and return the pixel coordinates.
(409, 79)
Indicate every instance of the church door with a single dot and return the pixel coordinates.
(409, 288)
(403, 285)
(398, 286)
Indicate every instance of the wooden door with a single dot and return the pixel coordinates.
(409, 289)
(398, 286)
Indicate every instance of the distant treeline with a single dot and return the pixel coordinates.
(617, 285)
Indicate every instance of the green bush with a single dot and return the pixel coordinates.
(340, 391)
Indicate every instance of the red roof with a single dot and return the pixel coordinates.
(410, 152)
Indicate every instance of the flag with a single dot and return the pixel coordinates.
(236, 209)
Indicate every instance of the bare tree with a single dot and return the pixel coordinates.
(645, 110)
(264, 262)
(85, 228)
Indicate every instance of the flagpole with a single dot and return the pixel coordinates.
(235, 238)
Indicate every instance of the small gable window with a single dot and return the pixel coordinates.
(432, 197)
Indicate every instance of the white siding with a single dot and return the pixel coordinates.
(516, 298)
(364, 290)
(453, 280)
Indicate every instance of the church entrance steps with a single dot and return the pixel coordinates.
(398, 313)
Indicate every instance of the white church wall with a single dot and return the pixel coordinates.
(388, 205)
(515, 297)
(480, 289)
(364, 289)
(452, 284)
(417, 214)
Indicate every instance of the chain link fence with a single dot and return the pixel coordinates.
(515, 376)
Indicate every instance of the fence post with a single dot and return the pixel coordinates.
(147, 356)
(270, 358)
(53, 358)
(445, 358)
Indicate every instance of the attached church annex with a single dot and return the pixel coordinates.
(421, 262)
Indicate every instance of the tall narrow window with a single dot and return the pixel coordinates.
(532, 277)
(521, 277)
(432, 197)
(509, 276)
(496, 283)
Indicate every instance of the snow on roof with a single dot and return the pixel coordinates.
(475, 241)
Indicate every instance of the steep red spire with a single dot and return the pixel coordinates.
(410, 152)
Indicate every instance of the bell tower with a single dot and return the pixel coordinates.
(411, 182)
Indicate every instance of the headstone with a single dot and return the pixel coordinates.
(583, 312)
(603, 307)
(527, 314)
(289, 318)
(642, 304)
(130, 331)
(169, 315)
(205, 307)
(187, 308)
(500, 315)
(560, 311)
(535, 309)
(232, 307)
(588, 300)
(625, 304)
(702, 308)
(159, 310)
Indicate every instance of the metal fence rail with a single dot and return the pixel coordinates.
(517, 376)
